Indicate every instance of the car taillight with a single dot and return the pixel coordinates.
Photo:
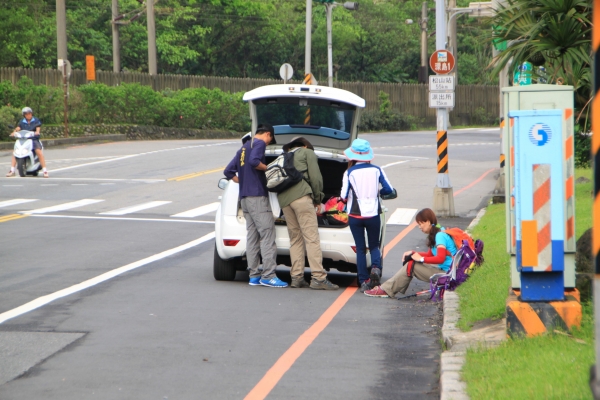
(230, 242)
(354, 249)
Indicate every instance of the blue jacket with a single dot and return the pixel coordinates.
(252, 181)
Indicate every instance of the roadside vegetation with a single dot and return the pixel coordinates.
(549, 366)
(128, 104)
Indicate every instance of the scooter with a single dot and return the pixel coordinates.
(27, 161)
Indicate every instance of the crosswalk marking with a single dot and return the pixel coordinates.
(15, 202)
(196, 212)
(62, 207)
(132, 209)
(402, 216)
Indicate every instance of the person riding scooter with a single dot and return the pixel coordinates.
(30, 123)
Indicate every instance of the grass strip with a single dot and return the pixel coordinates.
(551, 366)
(484, 295)
(544, 367)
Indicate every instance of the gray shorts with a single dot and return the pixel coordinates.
(37, 144)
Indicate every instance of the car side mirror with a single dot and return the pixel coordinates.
(390, 196)
(222, 183)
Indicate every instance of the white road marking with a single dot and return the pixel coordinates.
(63, 207)
(15, 201)
(434, 145)
(132, 209)
(137, 155)
(196, 212)
(43, 300)
(12, 185)
(394, 163)
(107, 179)
(412, 158)
(402, 216)
(123, 218)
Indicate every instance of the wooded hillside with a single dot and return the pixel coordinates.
(240, 38)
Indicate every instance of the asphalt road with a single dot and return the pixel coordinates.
(156, 325)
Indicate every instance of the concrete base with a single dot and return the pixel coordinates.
(443, 202)
(536, 318)
(499, 189)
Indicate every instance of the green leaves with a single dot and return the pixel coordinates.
(557, 31)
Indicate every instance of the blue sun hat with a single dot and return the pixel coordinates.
(359, 151)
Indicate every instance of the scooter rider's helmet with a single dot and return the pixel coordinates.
(26, 110)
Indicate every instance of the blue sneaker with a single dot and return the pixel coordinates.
(254, 281)
(273, 282)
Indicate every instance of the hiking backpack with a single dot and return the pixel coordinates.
(458, 236)
(465, 260)
(281, 173)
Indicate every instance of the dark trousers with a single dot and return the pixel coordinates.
(372, 226)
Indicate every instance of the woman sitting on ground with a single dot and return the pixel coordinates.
(418, 264)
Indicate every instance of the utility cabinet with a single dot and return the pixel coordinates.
(532, 98)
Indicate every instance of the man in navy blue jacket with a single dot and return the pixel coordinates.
(250, 165)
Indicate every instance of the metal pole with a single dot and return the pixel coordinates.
(307, 47)
(66, 101)
(61, 29)
(152, 70)
(443, 197)
(423, 67)
(115, 37)
(329, 9)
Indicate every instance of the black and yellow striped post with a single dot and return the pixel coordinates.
(307, 81)
(595, 379)
(442, 152)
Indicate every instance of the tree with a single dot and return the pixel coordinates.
(552, 33)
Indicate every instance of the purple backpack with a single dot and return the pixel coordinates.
(463, 263)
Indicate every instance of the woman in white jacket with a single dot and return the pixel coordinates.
(360, 190)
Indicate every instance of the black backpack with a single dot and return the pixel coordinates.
(281, 173)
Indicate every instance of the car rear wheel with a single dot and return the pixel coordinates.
(223, 270)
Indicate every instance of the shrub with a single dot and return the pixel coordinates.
(583, 149)
(481, 117)
(8, 116)
(376, 121)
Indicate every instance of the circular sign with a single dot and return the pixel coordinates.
(286, 72)
(441, 62)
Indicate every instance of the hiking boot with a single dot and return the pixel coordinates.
(377, 291)
(366, 285)
(299, 283)
(323, 285)
(375, 277)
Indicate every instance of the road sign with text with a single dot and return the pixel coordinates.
(442, 83)
(441, 100)
(441, 62)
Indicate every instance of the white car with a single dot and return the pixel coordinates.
(328, 118)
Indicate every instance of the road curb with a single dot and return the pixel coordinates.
(457, 342)
(73, 140)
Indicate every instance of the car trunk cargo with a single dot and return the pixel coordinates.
(333, 173)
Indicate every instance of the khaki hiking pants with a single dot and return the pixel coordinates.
(400, 282)
(303, 229)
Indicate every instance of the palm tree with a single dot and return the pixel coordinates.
(552, 33)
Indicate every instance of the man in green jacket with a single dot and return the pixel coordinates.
(298, 204)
